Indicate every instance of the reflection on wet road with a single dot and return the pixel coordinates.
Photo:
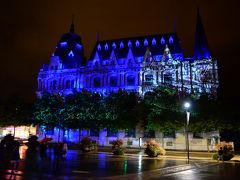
(80, 165)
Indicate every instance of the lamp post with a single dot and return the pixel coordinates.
(187, 106)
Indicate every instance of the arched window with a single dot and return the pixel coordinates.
(113, 81)
(114, 45)
(99, 47)
(72, 84)
(149, 79)
(145, 42)
(67, 86)
(121, 45)
(130, 80)
(168, 79)
(53, 85)
(96, 64)
(129, 44)
(96, 82)
(162, 40)
(137, 43)
(106, 46)
(153, 41)
(170, 40)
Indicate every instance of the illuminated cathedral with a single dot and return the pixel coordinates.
(135, 64)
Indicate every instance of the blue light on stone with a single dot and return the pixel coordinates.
(121, 45)
(145, 42)
(170, 40)
(99, 47)
(114, 45)
(129, 44)
(63, 44)
(162, 40)
(71, 54)
(137, 43)
(106, 46)
(153, 41)
(78, 46)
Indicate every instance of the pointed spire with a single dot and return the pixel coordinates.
(166, 54)
(175, 26)
(72, 25)
(201, 50)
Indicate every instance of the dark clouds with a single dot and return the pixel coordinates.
(30, 30)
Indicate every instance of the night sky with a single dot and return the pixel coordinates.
(30, 30)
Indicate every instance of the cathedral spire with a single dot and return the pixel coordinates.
(72, 25)
(175, 26)
(201, 50)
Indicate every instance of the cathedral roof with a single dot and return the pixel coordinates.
(70, 49)
(71, 36)
(138, 45)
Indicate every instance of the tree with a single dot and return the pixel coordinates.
(15, 113)
(205, 114)
(164, 110)
(121, 110)
(78, 110)
(48, 111)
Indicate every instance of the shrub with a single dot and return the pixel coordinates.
(227, 148)
(153, 148)
(86, 144)
(227, 156)
(117, 148)
(215, 156)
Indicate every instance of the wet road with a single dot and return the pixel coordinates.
(78, 165)
(222, 171)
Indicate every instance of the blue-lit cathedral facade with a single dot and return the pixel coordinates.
(135, 64)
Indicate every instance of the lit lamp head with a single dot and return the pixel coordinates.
(187, 105)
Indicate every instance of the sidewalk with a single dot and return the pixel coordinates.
(171, 154)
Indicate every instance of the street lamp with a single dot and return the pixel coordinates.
(187, 106)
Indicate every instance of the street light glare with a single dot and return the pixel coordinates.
(187, 105)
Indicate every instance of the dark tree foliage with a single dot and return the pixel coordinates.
(49, 111)
(204, 114)
(82, 110)
(161, 109)
(121, 110)
(164, 110)
(15, 112)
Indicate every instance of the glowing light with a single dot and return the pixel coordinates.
(137, 43)
(121, 45)
(153, 41)
(71, 54)
(99, 47)
(187, 105)
(145, 42)
(78, 46)
(170, 40)
(63, 44)
(114, 45)
(129, 43)
(106, 46)
(162, 40)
